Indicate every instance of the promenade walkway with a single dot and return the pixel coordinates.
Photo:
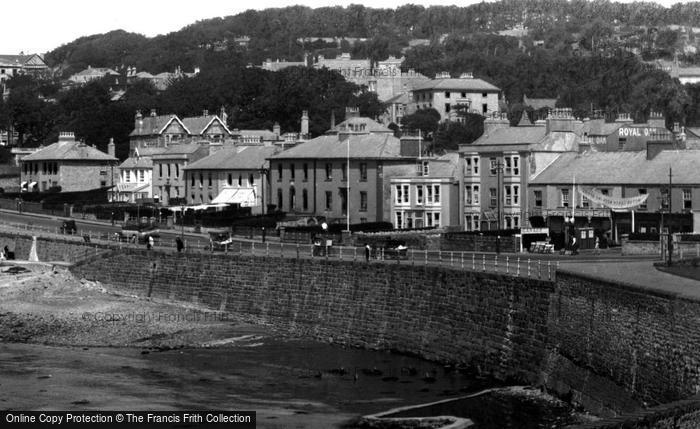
(636, 273)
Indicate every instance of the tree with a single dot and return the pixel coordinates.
(425, 120)
(451, 134)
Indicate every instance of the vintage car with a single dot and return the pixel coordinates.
(220, 240)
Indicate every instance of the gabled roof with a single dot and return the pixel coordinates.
(155, 125)
(362, 146)
(399, 99)
(461, 84)
(145, 152)
(611, 168)
(198, 124)
(368, 126)
(20, 60)
(69, 150)
(90, 71)
(235, 158)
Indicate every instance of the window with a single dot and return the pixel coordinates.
(484, 108)
(493, 197)
(447, 94)
(192, 200)
(585, 202)
(425, 168)
(432, 219)
(475, 195)
(177, 170)
(516, 221)
(209, 179)
(141, 175)
(160, 170)
(402, 196)
(344, 172)
(201, 180)
(538, 198)
(436, 194)
(605, 191)
(230, 179)
(433, 196)
(251, 180)
(363, 172)
(643, 205)
(464, 94)
(493, 166)
(512, 195)
(512, 164)
(305, 200)
(169, 170)
(329, 171)
(419, 194)
(329, 200)
(509, 222)
(565, 198)
(447, 107)
(687, 199)
(291, 172)
(363, 201)
(280, 199)
(484, 94)
(664, 198)
(192, 180)
(399, 220)
(292, 199)
(279, 172)
(472, 165)
(240, 180)
(621, 143)
(306, 172)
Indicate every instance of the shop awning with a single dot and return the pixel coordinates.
(243, 196)
(131, 187)
(24, 184)
(33, 184)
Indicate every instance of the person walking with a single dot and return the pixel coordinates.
(179, 245)
(149, 242)
(367, 251)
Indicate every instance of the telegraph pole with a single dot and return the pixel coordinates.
(670, 211)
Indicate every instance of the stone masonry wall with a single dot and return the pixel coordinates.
(68, 249)
(495, 322)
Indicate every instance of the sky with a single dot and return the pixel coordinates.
(40, 26)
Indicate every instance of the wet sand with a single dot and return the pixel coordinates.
(69, 344)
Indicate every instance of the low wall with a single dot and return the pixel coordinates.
(610, 346)
(638, 247)
(50, 249)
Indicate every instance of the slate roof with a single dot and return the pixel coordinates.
(134, 162)
(69, 150)
(399, 99)
(152, 125)
(511, 136)
(362, 146)
(149, 151)
(178, 149)
(265, 134)
(197, 124)
(371, 126)
(17, 60)
(235, 158)
(471, 84)
(610, 168)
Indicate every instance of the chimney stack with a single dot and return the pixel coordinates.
(110, 147)
(495, 122)
(560, 120)
(352, 112)
(205, 112)
(304, 124)
(277, 130)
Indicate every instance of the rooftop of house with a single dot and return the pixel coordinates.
(360, 124)
(198, 124)
(67, 149)
(509, 136)
(266, 135)
(20, 60)
(179, 149)
(235, 158)
(149, 125)
(90, 71)
(464, 83)
(330, 146)
(612, 168)
(137, 162)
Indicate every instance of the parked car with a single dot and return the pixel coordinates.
(68, 227)
(220, 240)
(395, 249)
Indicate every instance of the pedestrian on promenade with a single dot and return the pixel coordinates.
(597, 246)
(367, 251)
(179, 244)
(149, 242)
